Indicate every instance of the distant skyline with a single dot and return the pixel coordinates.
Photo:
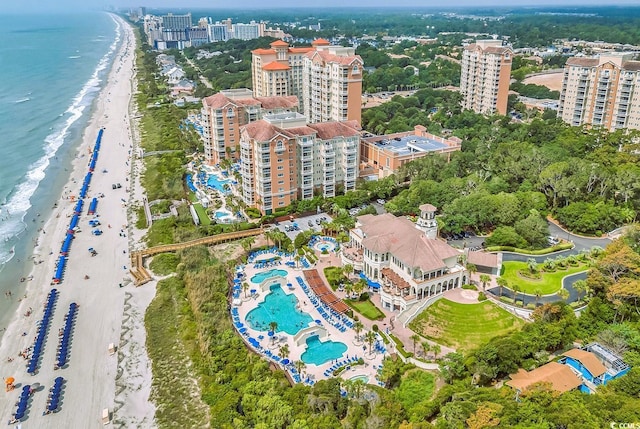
(78, 5)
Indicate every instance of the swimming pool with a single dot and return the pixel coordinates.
(222, 213)
(325, 245)
(280, 308)
(215, 182)
(362, 378)
(319, 352)
(260, 277)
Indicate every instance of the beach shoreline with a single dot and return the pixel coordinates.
(91, 282)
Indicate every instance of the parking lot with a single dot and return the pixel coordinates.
(306, 223)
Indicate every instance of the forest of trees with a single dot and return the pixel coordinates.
(588, 179)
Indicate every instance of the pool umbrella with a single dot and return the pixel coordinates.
(9, 380)
(285, 362)
(270, 333)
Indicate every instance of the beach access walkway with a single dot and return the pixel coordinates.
(141, 275)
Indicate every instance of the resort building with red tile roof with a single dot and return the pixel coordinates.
(283, 159)
(326, 79)
(405, 260)
(226, 111)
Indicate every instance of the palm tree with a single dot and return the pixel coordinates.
(502, 283)
(425, 348)
(245, 288)
(415, 338)
(272, 327)
(297, 258)
(370, 337)
(348, 270)
(299, 365)
(284, 351)
(348, 289)
(484, 279)
(515, 289)
(581, 286)
(472, 269)
(563, 294)
(538, 293)
(358, 327)
(532, 265)
(436, 350)
(269, 235)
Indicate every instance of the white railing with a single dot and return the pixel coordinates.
(419, 308)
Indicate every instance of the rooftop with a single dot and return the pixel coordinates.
(588, 360)
(560, 376)
(406, 145)
(387, 233)
(275, 66)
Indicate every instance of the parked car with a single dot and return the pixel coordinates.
(381, 201)
(310, 224)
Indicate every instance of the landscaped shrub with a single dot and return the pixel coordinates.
(252, 212)
(482, 297)
(469, 287)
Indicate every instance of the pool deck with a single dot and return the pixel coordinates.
(314, 372)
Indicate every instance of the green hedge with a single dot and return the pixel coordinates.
(400, 347)
(556, 248)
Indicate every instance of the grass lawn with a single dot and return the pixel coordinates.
(464, 326)
(548, 284)
(366, 308)
(202, 214)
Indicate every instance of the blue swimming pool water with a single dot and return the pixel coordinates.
(218, 214)
(214, 182)
(260, 277)
(319, 352)
(280, 308)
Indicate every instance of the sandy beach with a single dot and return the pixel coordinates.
(91, 372)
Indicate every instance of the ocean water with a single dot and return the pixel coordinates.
(51, 69)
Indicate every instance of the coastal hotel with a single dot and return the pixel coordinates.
(289, 151)
(601, 91)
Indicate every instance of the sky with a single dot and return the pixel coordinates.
(63, 5)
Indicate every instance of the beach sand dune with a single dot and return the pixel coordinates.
(90, 376)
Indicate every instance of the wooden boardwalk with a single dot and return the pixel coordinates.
(142, 276)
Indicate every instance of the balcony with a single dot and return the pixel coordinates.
(329, 167)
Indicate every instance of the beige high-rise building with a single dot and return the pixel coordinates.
(326, 79)
(225, 112)
(284, 159)
(602, 91)
(485, 76)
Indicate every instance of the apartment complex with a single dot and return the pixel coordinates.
(485, 76)
(328, 79)
(387, 153)
(601, 91)
(225, 112)
(284, 159)
(405, 258)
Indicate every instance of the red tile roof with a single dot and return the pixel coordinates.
(279, 43)
(561, 377)
(302, 50)
(329, 130)
(320, 42)
(277, 102)
(482, 259)
(588, 359)
(263, 131)
(328, 57)
(220, 101)
(399, 236)
(582, 62)
(275, 66)
(261, 51)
